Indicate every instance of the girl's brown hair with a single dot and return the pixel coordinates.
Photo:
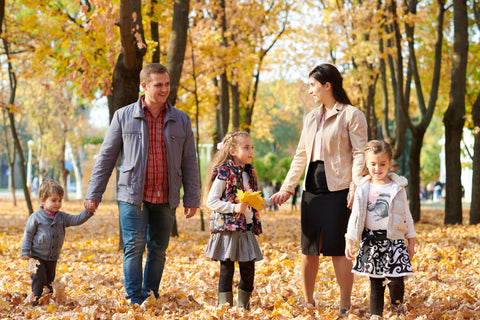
(49, 187)
(230, 141)
(375, 147)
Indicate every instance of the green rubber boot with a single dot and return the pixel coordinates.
(243, 299)
(225, 297)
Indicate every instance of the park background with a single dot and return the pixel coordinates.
(411, 66)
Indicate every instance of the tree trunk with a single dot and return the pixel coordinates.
(19, 149)
(13, 88)
(197, 125)
(235, 102)
(64, 173)
(10, 158)
(418, 132)
(454, 117)
(224, 110)
(11, 166)
(224, 104)
(154, 32)
(176, 56)
(177, 46)
(414, 183)
(475, 204)
(125, 79)
(369, 106)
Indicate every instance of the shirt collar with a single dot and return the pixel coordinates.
(50, 213)
(145, 107)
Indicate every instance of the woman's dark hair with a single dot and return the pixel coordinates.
(328, 73)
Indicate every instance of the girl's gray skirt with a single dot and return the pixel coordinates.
(233, 246)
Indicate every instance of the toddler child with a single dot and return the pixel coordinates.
(381, 219)
(44, 235)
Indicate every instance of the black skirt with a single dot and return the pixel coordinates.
(324, 214)
(380, 257)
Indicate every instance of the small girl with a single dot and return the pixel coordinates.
(233, 224)
(44, 235)
(382, 220)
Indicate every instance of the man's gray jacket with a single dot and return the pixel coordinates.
(128, 135)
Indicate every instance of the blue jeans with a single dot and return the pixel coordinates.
(149, 227)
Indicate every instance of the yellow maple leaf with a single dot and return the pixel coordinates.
(254, 199)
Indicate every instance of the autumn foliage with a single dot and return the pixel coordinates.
(89, 282)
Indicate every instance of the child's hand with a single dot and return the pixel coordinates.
(25, 257)
(349, 249)
(240, 207)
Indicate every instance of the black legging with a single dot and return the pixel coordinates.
(44, 276)
(396, 287)
(247, 275)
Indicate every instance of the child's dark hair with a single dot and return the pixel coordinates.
(49, 187)
(375, 147)
(223, 155)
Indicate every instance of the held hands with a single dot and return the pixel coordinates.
(25, 257)
(91, 205)
(280, 197)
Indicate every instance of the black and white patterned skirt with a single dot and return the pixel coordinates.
(380, 257)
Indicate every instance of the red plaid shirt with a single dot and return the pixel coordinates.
(156, 180)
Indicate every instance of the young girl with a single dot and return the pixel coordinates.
(44, 235)
(381, 219)
(233, 224)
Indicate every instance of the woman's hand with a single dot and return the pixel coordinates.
(280, 197)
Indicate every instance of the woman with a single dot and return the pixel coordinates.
(331, 150)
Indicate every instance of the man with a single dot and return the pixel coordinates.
(158, 155)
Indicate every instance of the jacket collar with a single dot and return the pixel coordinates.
(139, 113)
(239, 169)
(401, 181)
(338, 107)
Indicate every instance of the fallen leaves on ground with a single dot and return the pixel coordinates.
(89, 281)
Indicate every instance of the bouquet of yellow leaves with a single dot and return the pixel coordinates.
(254, 199)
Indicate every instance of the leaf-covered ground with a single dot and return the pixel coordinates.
(446, 284)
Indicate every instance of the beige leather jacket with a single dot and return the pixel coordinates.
(343, 140)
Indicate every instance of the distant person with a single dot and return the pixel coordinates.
(429, 190)
(44, 235)
(381, 219)
(330, 153)
(157, 148)
(268, 191)
(233, 224)
(437, 191)
(34, 187)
